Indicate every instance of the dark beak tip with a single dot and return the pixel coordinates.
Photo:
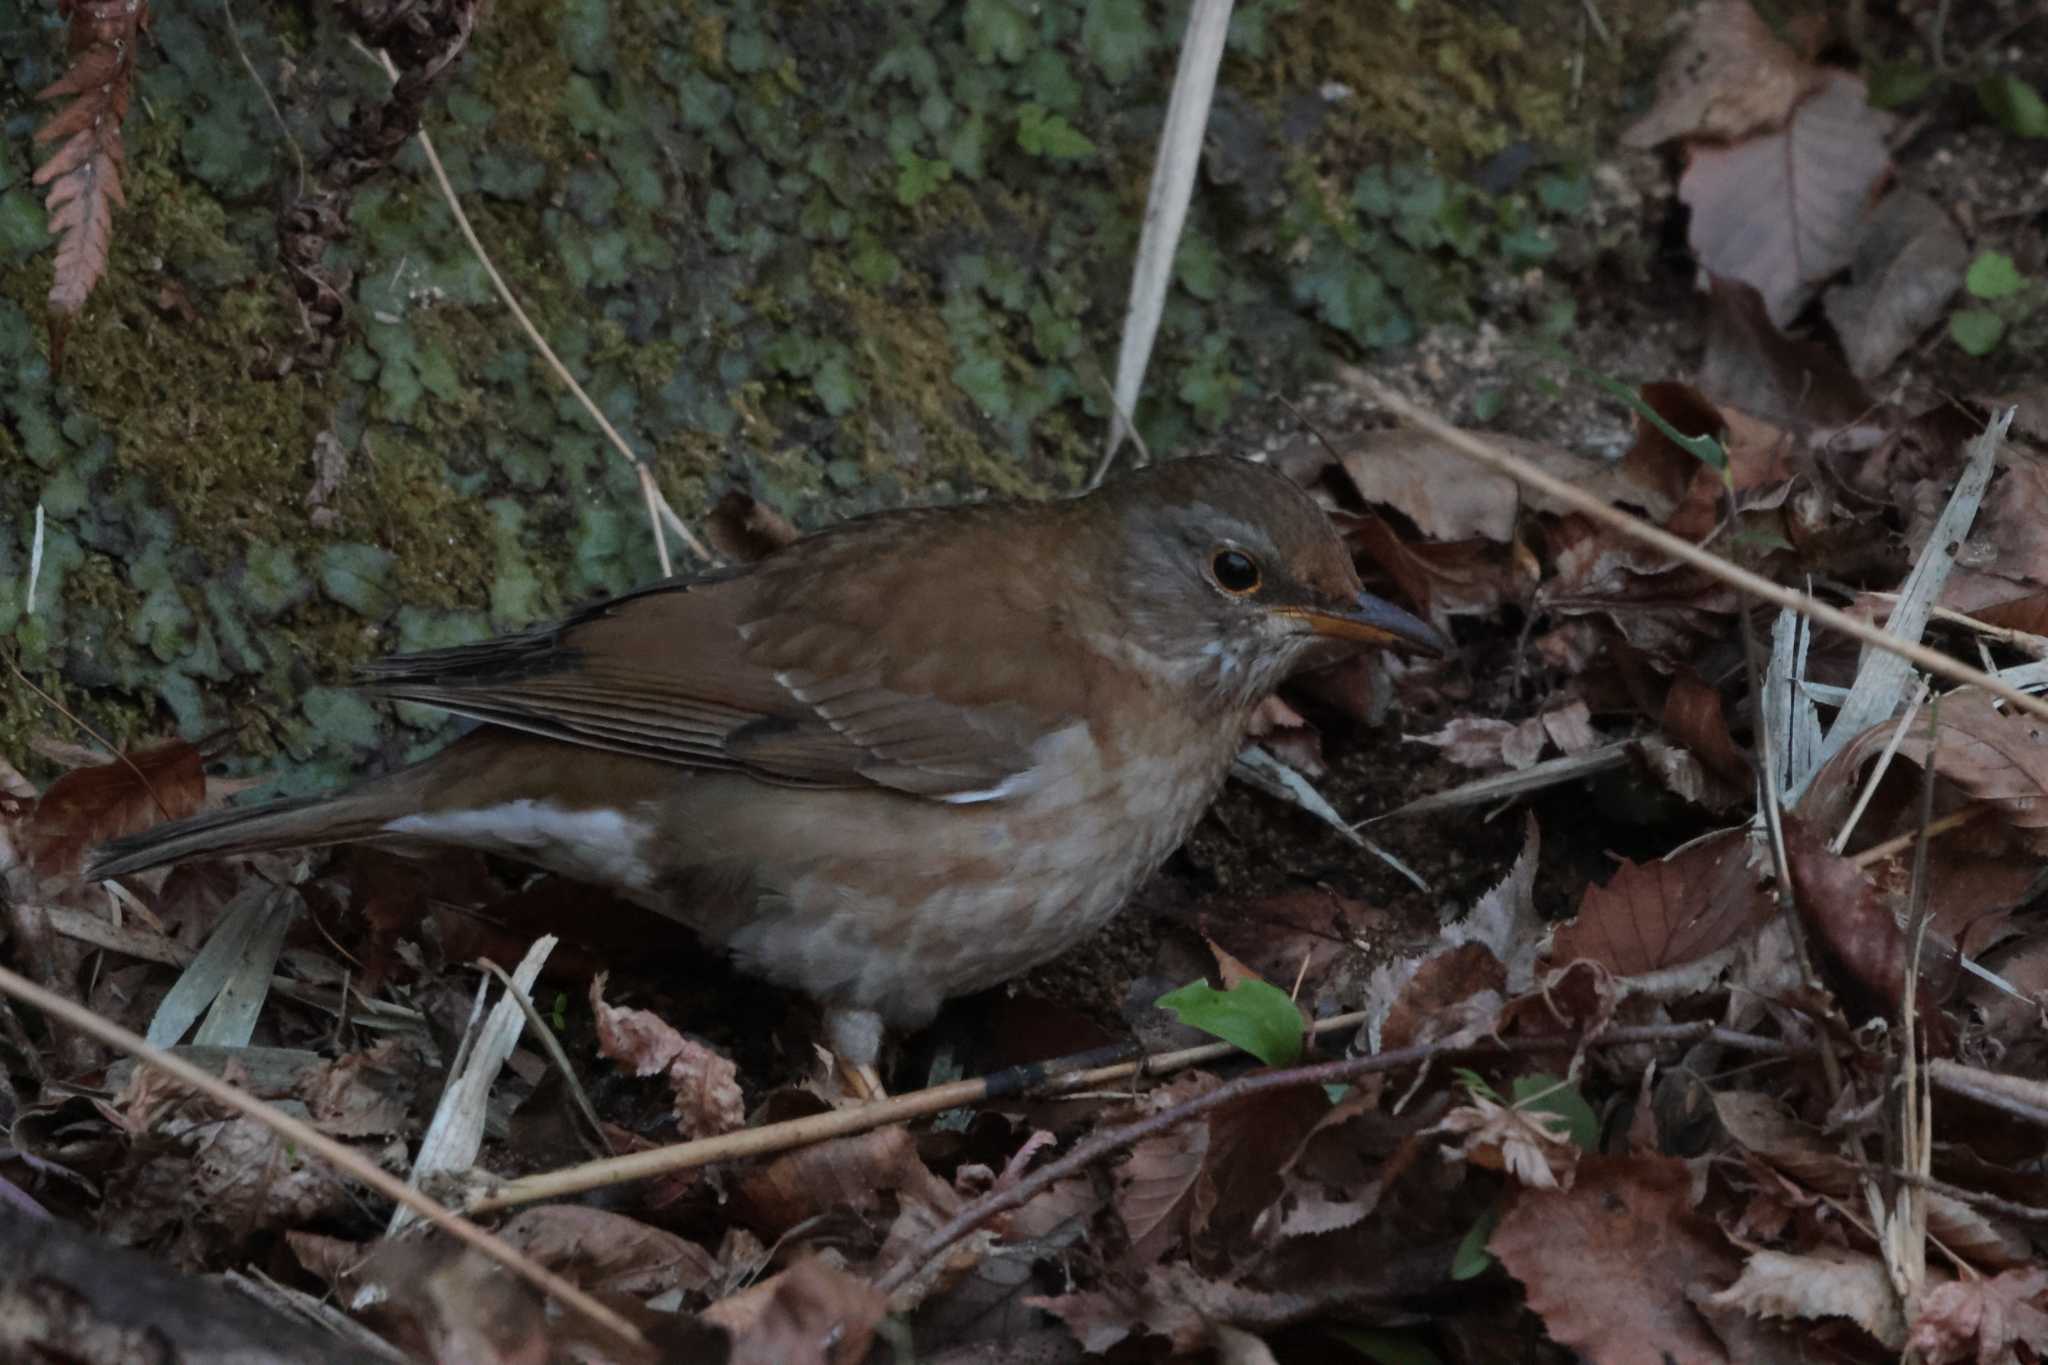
(1403, 628)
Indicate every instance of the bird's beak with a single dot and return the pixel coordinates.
(1371, 621)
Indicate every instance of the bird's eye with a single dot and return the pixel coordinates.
(1236, 572)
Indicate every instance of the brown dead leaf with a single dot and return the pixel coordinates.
(1763, 1128)
(1485, 744)
(1693, 717)
(1828, 1283)
(1983, 1319)
(213, 1181)
(89, 806)
(1994, 755)
(1607, 1263)
(1159, 1192)
(1780, 211)
(1653, 916)
(1292, 935)
(364, 1093)
(787, 1320)
(1769, 381)
(1660, 607)
(1909, 262)
(1177, 1302)
(1679, 490)
(2011, 522)
(1458, 578)
(1730, 76)
(1478, 742)
(706, 1086)
(609, 1253)
(1453, 994)
(852, 1173)
(1841, 908)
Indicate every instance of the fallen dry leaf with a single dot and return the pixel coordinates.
(1841, 907)
(1607, 1263)
(1476, 742)
(787, 1320)
(1693, 717)
(1459, 578)
(1730, 76)
(1773, 381)
(1780, 210)
(1983, 1319)
(1454, 994)
(706, 1086)
(88, 806)
(1909, 262)
(1534, 1146)
(1159, 1192)
(1828, 1283)
(609, 1253)
(855, 1174)
(1657, 915)
(1994, 755)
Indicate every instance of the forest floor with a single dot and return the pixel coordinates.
(1622, 1069)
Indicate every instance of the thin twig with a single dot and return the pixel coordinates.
(658, 509)
(342, 1157)
(1892, 848)
(1477, 448)
(1062, 1076)
(1319, 1073)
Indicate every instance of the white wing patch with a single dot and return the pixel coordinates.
(598, 845)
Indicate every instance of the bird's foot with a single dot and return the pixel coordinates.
(855, 1038)
(860, 1080)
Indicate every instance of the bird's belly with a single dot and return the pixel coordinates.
(898, 904)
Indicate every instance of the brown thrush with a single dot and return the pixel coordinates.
(896, 761)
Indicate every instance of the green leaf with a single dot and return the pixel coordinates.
(1568, 196)
(1549, 1095)
(1254, 1015)
(1388, 1347)
(1043, 133)
(1893, 85)
(1704, 448)
(981, 377)
(1487, 403)
(1993, 276)
(1475, 1083)
(2014, 105)
(1117, 36)
(997, 30)
(1471, 1259)
(1976, 330)
(917, 177)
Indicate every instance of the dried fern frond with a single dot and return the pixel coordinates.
(83, 171)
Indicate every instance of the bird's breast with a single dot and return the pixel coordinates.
(893, 903)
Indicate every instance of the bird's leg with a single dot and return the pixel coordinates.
(855, 1037)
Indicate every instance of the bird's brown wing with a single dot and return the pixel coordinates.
(727, 672)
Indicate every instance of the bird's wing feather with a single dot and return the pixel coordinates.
(727, 672)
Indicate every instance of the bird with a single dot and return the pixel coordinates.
(901, 759)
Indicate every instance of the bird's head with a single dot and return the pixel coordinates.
(1229, 578)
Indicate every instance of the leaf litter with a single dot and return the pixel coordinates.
(1656, 1106)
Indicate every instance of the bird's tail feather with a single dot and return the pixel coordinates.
(298, 822)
